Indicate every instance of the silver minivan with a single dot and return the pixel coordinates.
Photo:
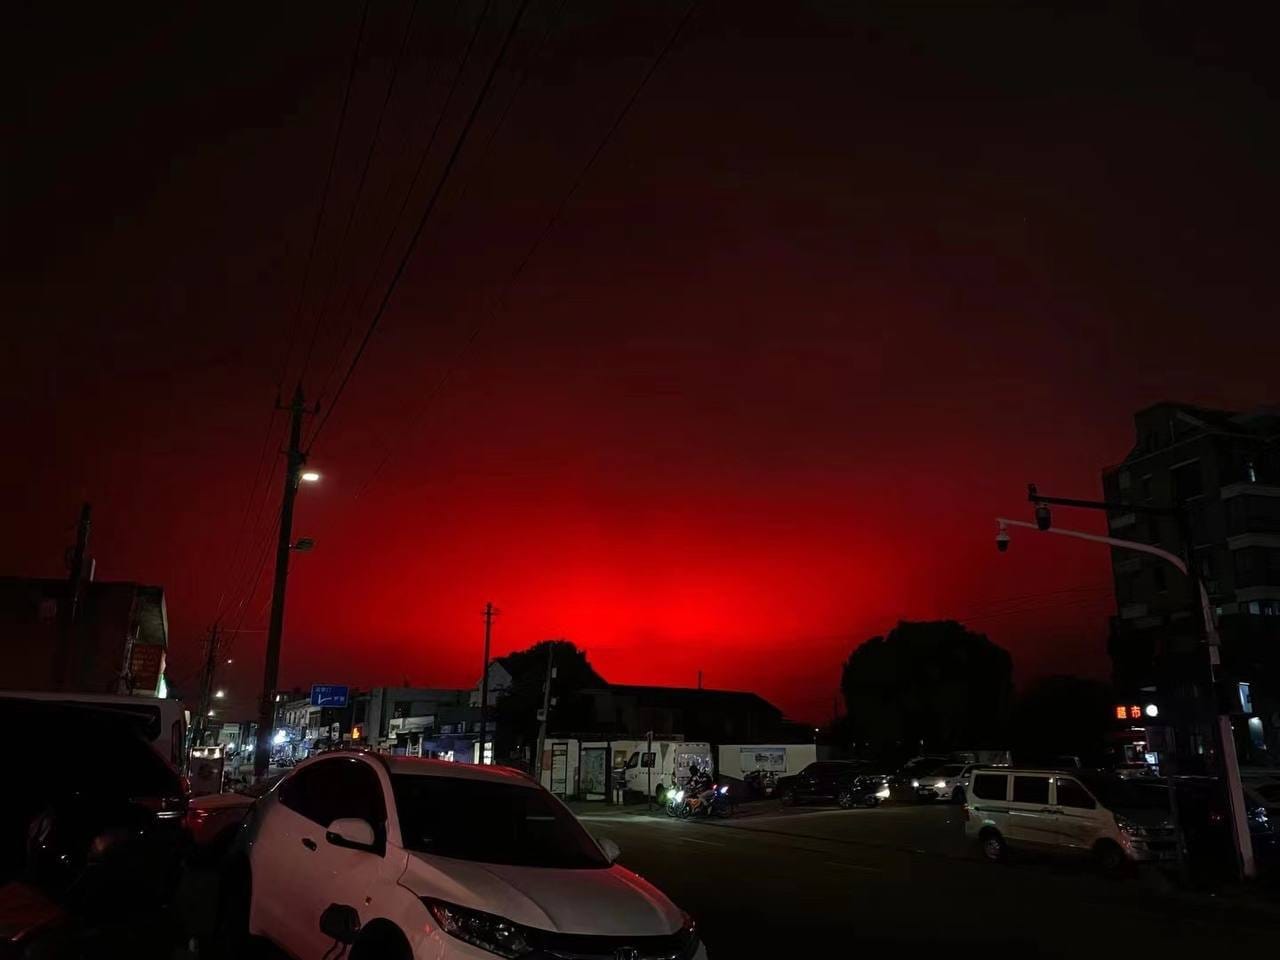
(1111, 819)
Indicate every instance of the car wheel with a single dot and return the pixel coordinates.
(845, 799)
(957, 795)
(1109, 856)
(871, 801)
(381, 940)
(993, 846)
(787, 795)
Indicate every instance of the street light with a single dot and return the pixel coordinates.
(209, 714)
(309, 476)
(220, 694)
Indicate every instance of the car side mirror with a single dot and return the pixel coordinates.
(610, 849)
(353, 833)
(340, 922)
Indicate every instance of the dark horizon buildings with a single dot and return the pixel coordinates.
(1223, 469)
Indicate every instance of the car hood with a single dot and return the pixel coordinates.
(604, 902)
(1145, 816)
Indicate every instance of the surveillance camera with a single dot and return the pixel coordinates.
(1043, 519)
(1002, 541)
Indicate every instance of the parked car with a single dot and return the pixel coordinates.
(213, 821)
(820, 780)
(1112, 819)
(866, 790)
(91, 838)
(909, 774)
(405, 857)
(948, 782)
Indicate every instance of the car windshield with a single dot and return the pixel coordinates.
(951, 770)
(1119, 794)
(490, 822)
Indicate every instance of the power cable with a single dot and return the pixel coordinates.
(513, 279)
(291, 338)
(404, 202)
(422, 222)
(324, 195)
(364, 175)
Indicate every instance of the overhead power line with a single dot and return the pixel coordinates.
(422, 221)
(364, 176)
(404, 201)
(328, 184)
(548, 228)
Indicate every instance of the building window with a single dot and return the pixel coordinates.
(1187, 481)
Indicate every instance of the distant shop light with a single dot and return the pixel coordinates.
(279, 738)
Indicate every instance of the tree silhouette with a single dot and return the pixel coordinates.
(928, 687)
(516, 711)
(1062, 715)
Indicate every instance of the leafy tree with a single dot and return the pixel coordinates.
(928, 687)
(516, 711)
(1062, 716)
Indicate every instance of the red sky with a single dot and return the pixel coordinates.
(838, 287)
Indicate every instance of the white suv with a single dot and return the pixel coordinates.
(410, 858)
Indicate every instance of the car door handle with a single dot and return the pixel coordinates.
(308, 843)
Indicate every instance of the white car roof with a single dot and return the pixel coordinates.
(420, 767)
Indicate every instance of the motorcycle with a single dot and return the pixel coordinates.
(711, 803)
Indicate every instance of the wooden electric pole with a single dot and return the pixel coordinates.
(546, 708)
(490, 611)
(206, 686)
(284, 543)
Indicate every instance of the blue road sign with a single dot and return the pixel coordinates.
(328, 695)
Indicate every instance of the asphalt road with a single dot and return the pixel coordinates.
(792, 883)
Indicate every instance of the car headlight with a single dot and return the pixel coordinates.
(883, 792)
(1131, 828)
(679, 795)
(940, 785)
(915, 784)
(725, 789)
(484, 930)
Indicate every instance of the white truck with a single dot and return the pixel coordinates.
(654, 767)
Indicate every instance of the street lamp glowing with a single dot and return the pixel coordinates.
(220, 694)
(1152, 710)
(210, 713)
(309, 476)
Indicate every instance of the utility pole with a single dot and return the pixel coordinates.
(546, 708)
(206, 685)
(271, 669)
(490, 611)
(69, 611)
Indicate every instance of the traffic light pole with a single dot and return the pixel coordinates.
(1187, 566)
